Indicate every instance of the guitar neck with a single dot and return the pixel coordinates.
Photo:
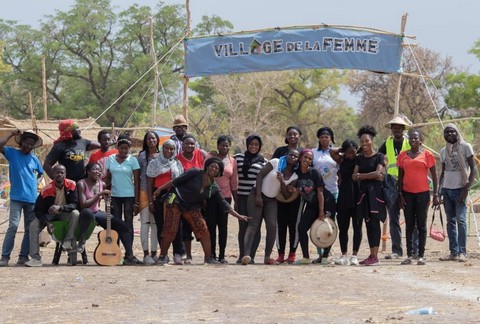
(109, 215)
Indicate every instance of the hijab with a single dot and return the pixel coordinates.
(250, 158)
(161, 164)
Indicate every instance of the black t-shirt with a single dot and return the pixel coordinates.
(308, 183)
(397, 146)
(348, 189)
(369, 164)
(282, 151)
(71, 154)
(189, 187)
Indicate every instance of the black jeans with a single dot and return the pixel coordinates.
(216, 218)
(242, 229)
(343, 219)
(416, 209)
(125, 205)
(288, 215)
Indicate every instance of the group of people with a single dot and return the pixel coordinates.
(178, 190)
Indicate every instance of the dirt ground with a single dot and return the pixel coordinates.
(233, 293)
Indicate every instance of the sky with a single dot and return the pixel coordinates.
(448, 27)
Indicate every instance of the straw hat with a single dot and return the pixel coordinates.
(179, 121)
(29, 133)
(292, 197)
(323, 232)
(398, 120)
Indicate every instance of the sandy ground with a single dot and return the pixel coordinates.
(233, 293)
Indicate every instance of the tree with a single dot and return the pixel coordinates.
(378, 91)
(213, 25)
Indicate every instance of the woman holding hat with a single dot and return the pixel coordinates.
(24, 171)
(328, 169)
(318, 202)
(368, 172)
(185, 199)
(123, 173)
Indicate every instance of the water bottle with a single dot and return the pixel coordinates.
(422, 311)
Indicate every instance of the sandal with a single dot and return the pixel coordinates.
(271, 261)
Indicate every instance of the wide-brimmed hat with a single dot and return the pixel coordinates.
(323, 232)
(179, 121)
(29, 133)
(398, 120)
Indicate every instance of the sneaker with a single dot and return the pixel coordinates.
(421, 261)
(34, 263)
(343, 260)
(449, 257)
(317, 260)
(462, 258)
(271, 261)
(291, 257)
(223, 261)
(177, 259)
(407, 261)
(22, 260)
(148, 260)
(371, 260)
(67, 245)
(80, 247)
(4, 262)
(128, 261)
(246, 260)
(187, 261)
(354, 260)
(281, 258)
(211, 260)
(392, 256)
(163, 260)
(303, 261)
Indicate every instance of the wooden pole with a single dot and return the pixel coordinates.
(155, 74)
(44, 86)
(32, 115)
(185, 78)
(399, 82)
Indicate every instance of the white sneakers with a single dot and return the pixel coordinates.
(344, 261)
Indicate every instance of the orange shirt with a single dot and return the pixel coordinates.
(415, 171)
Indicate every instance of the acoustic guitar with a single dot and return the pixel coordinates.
(107, 252)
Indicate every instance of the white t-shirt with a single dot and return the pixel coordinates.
(452, 178)
(328, 168)
(270, 185)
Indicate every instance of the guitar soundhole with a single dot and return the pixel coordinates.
(108, 240)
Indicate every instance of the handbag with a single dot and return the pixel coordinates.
(390, 190)
(435, 233)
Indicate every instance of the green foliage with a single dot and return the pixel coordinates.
(464, 91)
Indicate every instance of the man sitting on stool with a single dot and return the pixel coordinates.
(57, 201)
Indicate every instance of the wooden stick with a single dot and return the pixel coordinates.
(185, 79)
(44, 86)
(155, 75)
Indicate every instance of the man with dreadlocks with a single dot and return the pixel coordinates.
(458, 174)
(69, 150)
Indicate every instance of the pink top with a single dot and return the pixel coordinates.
(88, 194)
(229, 181)
(415, 178)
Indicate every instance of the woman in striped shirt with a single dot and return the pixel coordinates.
(249, 164)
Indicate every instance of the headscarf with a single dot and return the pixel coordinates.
(250, 158)
(66, 127)
(452, 148)
(161, 165)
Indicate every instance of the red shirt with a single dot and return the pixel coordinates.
(162, 179)
(101, 158)
(415, 171)
(196, 161)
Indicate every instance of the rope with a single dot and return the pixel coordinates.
(138, 80)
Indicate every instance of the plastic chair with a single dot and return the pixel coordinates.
(60, 229)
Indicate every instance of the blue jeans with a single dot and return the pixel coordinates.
(14, 220)
(456, 221)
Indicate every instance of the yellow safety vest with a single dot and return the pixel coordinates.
(392, 168)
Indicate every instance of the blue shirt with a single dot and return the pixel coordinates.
(24, 171)
(122, 175)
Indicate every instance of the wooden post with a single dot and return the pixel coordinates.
(185, 78)
(155, 74)
(44, 86)
(32, 115)
(399, 82)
